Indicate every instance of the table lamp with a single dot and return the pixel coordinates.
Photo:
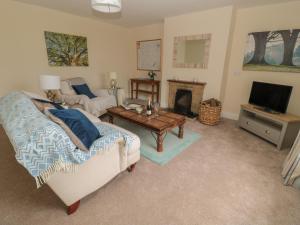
(50, 84)
(113, 79)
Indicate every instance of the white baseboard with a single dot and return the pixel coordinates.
(229, 115)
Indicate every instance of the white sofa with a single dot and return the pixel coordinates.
(71, 187)
(291, 166)
(96, 106)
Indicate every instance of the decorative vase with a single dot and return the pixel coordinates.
(151, 75)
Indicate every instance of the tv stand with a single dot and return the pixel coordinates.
(268, 110)
(279, 129)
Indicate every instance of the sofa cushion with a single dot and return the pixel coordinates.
(42, 104)
(66, 88)
(80, 129)
(76, 81)
(88, 115)
(83, 89)
(101, 93)
(34, 95)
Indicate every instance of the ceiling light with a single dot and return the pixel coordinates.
(107, 6)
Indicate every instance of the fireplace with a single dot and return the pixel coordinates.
(185, 89)
(183, 102)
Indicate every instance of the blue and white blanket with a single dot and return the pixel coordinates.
(41, 145)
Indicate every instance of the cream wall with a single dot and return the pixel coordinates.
(112, 48)
(238, 85)
(23, 52)
(150, 32)
(217, 22)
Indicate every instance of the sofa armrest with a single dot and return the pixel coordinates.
(101, 92)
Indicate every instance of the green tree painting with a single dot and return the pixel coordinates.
(66, 50)
(273, 51)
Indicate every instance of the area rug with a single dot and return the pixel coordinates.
(173, 146)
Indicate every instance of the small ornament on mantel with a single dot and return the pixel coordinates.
(151, 74)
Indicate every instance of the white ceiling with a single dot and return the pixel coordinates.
(144, 12)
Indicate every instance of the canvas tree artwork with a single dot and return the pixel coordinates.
(277, 51)
(66, 50)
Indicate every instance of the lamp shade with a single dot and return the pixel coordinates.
(113, 75)
(107, 6)
(49, 82)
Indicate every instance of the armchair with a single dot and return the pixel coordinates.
(96, 106)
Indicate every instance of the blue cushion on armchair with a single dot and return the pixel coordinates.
(83, 89)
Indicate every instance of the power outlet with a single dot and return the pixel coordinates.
(237, 73)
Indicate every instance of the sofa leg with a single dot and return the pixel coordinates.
(131, 168)
(72, 208)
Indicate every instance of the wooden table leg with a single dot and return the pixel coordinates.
(180, 133)
(131, 168)
(137, 90)
(159, 140)
(152, 97)
(157, 93)
(110, 119)
(132, 89)
(72, 208)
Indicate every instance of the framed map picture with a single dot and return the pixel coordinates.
(277, 51)
(66, 50)
(149, 55)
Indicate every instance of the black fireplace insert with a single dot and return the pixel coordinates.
(183, 103)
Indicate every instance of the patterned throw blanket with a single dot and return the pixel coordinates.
(42, 146)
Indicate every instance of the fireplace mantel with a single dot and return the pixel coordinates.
(197, 89)
(187, 82)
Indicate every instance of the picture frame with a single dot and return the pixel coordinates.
(273, 51)
(149, 55)
(66, 50)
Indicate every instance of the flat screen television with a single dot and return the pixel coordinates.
(271, 97)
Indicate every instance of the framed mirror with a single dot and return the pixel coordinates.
(191, 51)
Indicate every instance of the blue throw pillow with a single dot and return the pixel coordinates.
(83, 89)
(80, 129)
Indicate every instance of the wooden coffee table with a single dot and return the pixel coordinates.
(160, 124)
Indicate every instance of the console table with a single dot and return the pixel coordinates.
(279, 129)
(155, 87)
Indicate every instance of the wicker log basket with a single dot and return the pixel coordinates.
(210, 112)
